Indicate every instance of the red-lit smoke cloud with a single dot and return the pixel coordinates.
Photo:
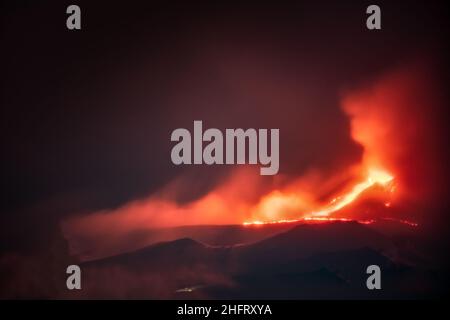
(108, 231)
(394, 120)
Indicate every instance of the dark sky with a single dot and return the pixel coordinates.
(87, 115)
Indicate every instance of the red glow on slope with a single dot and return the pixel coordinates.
(329, 219)
(273, 201)
(374, 177)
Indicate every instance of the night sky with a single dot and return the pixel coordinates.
(87, 115)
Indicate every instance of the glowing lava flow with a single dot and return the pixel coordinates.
(375, 176)
(329, 219)
(307, 219)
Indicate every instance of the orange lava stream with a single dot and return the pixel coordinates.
(328, 219)
(375, 176)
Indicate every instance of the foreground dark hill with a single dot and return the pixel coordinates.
(308, 261)
(305, 240)
(216, 235)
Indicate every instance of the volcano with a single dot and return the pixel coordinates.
(326, 260)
